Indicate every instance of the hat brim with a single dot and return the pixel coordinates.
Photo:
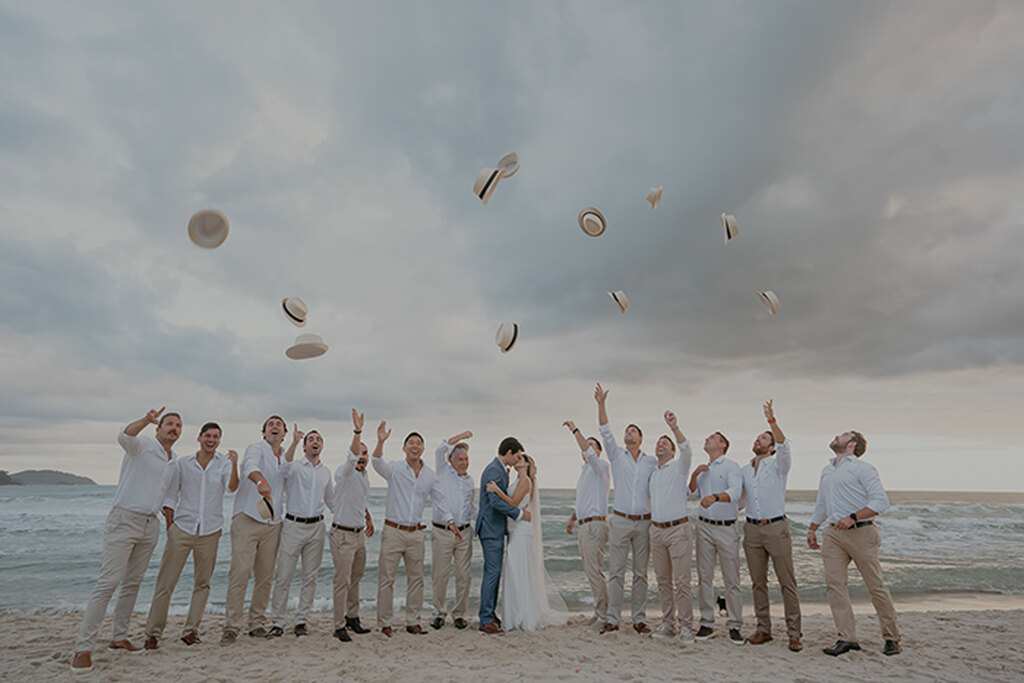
(203, 240)
(622, 303)
(298, 322)
(265, 507)
(505, 348)
(770, 300)
(491, 185)
(307, 350)
(584, 226)
(729, 227)
(654, 198)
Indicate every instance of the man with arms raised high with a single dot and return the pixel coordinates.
(451, 539)
(132, 532)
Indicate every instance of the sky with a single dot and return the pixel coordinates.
(871, 152)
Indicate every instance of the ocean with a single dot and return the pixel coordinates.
(51, 542)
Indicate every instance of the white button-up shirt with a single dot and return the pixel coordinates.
(145, 471)
(407, 493)
(632, 477)
(846, 488)
(669, 486)
(592, 487)
(764, 491)
(351, 494)
(723, 476)
(196, 494)
(307, 487)
(260, 457)
(454, 499)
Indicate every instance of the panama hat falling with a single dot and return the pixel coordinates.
(295, 310)
(592, 222)
(307, 346)
(769, 299)
(486, 181)
(619, 297)
(208, 228)
(729, 226)
(509, 164)
(506, 337)
(654, 197)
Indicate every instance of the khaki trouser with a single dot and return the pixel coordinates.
(348, 550)
(444, 550)
(253, 551)
(408, 546)
(627, 535)
(860, 544)
(128, 543)
(671, 550)
(298, 539)
(592, 539)
(760, 542)
(176, 551)
(721, 543)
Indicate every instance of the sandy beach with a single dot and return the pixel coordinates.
(954, 638)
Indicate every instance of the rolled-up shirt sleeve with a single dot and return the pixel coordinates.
(131, 444)
(250, 461)
(819, 504)
(173, 484)
(695, 494)
(685, 458)
(783, 457)
(347, 467)
(441, 456)
(878, 500)
(381, 467)
(734, 480)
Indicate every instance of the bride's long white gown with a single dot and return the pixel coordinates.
(529, 601)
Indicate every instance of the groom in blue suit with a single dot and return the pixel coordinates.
(491, 528)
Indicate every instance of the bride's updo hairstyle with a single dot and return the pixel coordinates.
(531, 472)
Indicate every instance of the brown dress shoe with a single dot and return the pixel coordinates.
(151, 643)
(416, 630)
(81, 662)
(641, 628)
(491, 628)
(795, 644)
(191, 638)
(609, 627)
(386, 631)
(759, 638)
(124, 645)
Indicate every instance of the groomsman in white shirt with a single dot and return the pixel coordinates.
(194, 509)
(348, 504)
(307, 488)
(591, 515)
(451, 540)
(718, 485)
(766, 533)
(850, 496)
(631, 518)
(671, 534)
(132, 531)
(254, 540)
(410, 483)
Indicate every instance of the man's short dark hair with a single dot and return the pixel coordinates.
(670, 441)
(595, 442)
(509, 444)
(309, 434)
(274, 417)
(725, 441)
(208, 426)
(410, 435)
(637, 429)
(862, 443)
(165, 416)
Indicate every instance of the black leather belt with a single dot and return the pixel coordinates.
(866, 522)
(718, 522)
(761, 522)
(304, 520)
(445, 526)
(353, 529)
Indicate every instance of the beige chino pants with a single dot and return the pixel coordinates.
(176, 551)
(348, 551)
(761, 542)
(592, 539)
(400, 546)
(298, 539)
(253, 551)
(128, 543)
(719, 544)
(859, 544)
(446, 550)
(671, 550)
(628, 535)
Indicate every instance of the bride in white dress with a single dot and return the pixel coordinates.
(529, 600)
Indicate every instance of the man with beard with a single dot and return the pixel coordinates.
(451, 539)
(766, 533)
(132, 531)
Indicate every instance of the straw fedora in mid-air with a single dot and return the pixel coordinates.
(508, 334)
(208, 228)
(307, 346)
(729, 226)
(486, 181)
(265, 507)
(509, 163)
(769, 299)
(619, 297)
(654, 197)
(592, 221)
(295, 310)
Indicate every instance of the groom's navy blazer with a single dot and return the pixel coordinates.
(490, 522)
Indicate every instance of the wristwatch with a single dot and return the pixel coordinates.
(853, 516)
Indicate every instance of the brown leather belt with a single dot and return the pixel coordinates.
(402, 527)
(592, 519)
(634, 518)
(669, 525)
(438, 525)
(353, 529)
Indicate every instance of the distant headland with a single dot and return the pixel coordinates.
(42, 478)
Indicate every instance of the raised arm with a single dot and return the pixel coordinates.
(581, 440)
(601, 396)
(377, 460)
(297, 436)
(357, 431)
(151, 417)
(769, 414)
